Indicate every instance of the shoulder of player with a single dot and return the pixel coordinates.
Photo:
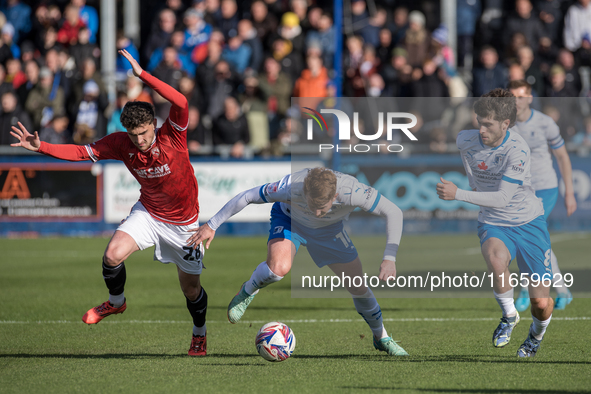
(516, 144)
(466, 137)
(542, 119)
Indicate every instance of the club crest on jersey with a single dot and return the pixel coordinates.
(156, 151)
(483, 166)
(499, 159)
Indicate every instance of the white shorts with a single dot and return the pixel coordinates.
(170, 239)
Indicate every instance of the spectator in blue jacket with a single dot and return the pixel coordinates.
(237, 54)
(19, 15)
(491, 74)
(468, 12)
(90, 17)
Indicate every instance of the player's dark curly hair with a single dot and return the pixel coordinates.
(137, 113)
(498, 103)
(320, 185)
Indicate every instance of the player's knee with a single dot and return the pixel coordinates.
(192, 292)
(541, 303)
(112, 258)
(279, 267)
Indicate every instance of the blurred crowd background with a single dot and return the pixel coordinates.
(239, 64)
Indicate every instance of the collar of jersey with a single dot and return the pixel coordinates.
(153, 142)
(496, 147)
(531, 116)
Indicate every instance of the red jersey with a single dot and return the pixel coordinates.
(168, 185)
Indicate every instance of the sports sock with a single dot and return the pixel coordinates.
(115, 280)
(198, 309)
(261, 277)
(506, 303)
(367, 306)
(538, 327)
(557, 280)
(117, 300)
(199, 330)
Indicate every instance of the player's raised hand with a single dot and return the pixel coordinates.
(26, 140)
(137, 70)
(570, 203)
(446, 190)
(202, 233)
(387, 270)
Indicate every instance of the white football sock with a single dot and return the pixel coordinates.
(117, 300)
(538, 327)
(506, 303)
(557, 280)
(261, 277)
(199, 330)
(367, 306)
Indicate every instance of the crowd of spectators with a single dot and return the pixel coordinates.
(239, 64)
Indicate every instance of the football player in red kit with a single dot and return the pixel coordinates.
(167, 208)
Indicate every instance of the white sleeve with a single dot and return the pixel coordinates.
(393, 216)
(235, 205)
(498, 199)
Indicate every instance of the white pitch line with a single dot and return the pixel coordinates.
(307, 321)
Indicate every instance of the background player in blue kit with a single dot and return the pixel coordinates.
(511, 220)
(542, 135)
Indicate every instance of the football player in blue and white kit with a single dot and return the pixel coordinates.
(511, 220)
(543, 135)
(309, 209)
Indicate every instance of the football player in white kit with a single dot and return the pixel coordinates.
(542, 135)
(309, 209)
(511, 220)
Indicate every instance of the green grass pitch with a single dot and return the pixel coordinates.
(47, 284)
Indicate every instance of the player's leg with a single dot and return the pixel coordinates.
(533, 258)
(497, 252)
(367, 306)
(280, 254)
(563, 294)
(282, 246)
(197, 305)
(120, 247)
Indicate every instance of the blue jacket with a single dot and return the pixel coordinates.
(19, 16)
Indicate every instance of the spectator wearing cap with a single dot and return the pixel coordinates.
(264, 22)
(160, 37)
(577, 31)
(490, 74)
(197, 33)
(90, 18)
(68, 34)
(90, 120)
(290, 59)
(7, 38)
(44, 100)
(417, 40)
(19, 14)
(443, 55)
(11, 114)
(56, 131)
(290, 29)
(248, 33)
(467, 14)
(558, 86)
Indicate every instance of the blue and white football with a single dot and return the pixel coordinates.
(275, 341)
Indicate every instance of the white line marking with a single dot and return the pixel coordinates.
(424, 319)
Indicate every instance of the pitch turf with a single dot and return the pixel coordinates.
(46, 285)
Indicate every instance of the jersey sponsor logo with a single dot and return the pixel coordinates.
(154, 172)
(483, 166)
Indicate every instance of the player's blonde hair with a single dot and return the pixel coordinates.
(320, 186)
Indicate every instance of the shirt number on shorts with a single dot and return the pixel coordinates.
(548, 257)
(344, 237)
(192, 254)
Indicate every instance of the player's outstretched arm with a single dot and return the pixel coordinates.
(566, 170)
(168, 92)
(232, 207)
(26, 140)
